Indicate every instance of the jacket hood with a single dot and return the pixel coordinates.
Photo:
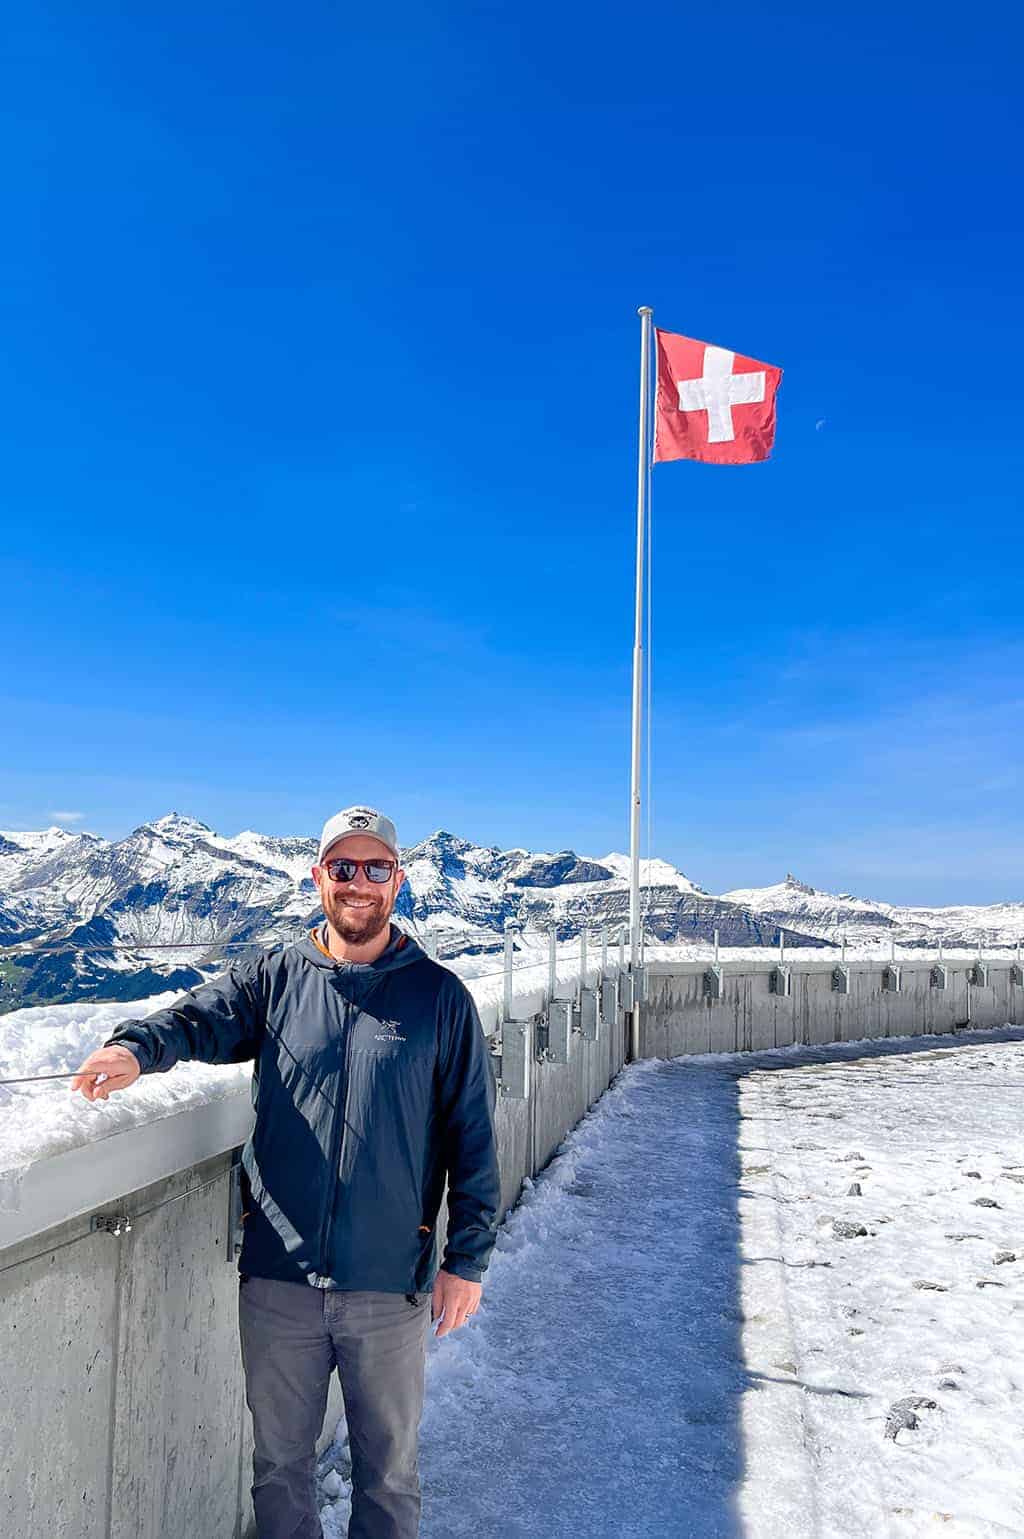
(401, 951)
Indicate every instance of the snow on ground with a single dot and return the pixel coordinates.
(929, 1302)
(675, 1342)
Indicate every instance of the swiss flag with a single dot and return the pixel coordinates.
(712, 405)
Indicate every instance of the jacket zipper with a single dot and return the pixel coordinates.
(339, 1144)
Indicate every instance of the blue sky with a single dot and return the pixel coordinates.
(318, 397)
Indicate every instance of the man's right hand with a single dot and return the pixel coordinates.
(118, 1065)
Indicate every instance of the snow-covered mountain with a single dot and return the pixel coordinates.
(462, 893)
(89, 918)
(795, 906)
(85, 915)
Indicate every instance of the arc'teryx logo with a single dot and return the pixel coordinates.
(389, 1032)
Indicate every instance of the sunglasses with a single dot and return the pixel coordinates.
(344, 870)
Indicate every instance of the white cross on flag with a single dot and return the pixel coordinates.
(712, 405)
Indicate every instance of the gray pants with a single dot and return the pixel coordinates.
(292, 1337)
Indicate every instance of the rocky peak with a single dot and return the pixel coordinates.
(441, 842)
(175, 825)
(557, 870)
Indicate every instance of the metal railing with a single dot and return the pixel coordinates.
(510, 967)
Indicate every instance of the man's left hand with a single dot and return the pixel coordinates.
(454, 1301)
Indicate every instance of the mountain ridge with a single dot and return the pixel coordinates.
(163, 907)
(91, 918)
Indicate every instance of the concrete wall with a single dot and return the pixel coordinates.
(678, 1017)
(122, 1396)
(124, 1414)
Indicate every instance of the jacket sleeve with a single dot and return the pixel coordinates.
(218, 1022)
(467, 1098)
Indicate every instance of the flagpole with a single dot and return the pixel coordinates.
(645, 312)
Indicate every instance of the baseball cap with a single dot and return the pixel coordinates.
(359, 820)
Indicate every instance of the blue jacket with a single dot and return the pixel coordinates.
(371, 1083)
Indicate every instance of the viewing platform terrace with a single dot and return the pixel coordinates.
(660, 1265)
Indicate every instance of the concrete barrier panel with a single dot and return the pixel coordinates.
(557, 1103)
(512, 1127)
(179, 1397)
(58, 1334)
(679, 1018)
(770, 1018)
(992, 1005)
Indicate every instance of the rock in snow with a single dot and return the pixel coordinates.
(902, 1414)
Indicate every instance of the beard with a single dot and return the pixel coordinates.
(357, 926)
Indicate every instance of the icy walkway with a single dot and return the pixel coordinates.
(674, 1342)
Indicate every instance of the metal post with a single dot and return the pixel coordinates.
(844, 948)
(552, 962)
(622, 952)
(583, 960)
(716, 948)
(782, 947)
(645, 312)
(508, 970)
(604, 950)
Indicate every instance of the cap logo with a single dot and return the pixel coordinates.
(358, 820)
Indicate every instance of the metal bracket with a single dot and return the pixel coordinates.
(235, 1231)
(516, 1044)
(632, 988)
(840, 980)
(939, 977)
(714, 980)
(560, 1014)
(590, 1016)
(892, 979)
(610, 1001)
(1017, 974)
(780, 981)
(978, 975)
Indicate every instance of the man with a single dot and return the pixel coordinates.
(371, 1084)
